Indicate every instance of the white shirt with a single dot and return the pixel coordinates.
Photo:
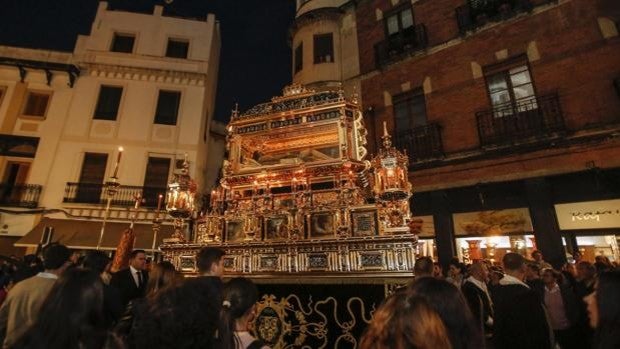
(511, 280)
(134, 274)
(47, 275)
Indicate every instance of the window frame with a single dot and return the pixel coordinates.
(407, 97)
(177, 40)
(504, 68)
(316, 57)
(397, 11)
(123, 34)
(118, 107)
(178, 109)
(29, 92)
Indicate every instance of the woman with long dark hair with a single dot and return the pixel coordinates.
(453, 310)
(163, 276)
(405, 322)
(71, 316)
(238, 309)
(604, 310)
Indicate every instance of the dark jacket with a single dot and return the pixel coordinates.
(520, 319)
(124, 282)
(479, 304)
(112, 307)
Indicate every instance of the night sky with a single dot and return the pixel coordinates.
(255, 61)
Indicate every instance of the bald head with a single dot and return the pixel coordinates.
(479, 271)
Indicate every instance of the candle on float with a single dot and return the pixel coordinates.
(118, 161)
(159, 200)
(138, 201)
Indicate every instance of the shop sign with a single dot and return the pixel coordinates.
(589, 215)
(493, 223)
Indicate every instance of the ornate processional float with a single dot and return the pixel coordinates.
(297, 195)
(299, 204)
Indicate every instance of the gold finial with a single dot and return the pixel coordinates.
(387, 140)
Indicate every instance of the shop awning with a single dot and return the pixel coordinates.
(81, 234)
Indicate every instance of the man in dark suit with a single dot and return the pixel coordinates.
(477, 295)
(520, 319)
(131, 282)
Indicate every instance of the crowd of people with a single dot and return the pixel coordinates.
(71, 301)
(520, 304)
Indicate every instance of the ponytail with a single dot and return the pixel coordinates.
(240, 295)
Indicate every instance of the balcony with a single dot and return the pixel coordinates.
(88, 193)
(20, 195)
(399, 45)
(420, 143)
(516, 122)
(477, 13)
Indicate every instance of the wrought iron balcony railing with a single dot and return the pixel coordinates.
(421, 143)
(89, 193)
(401, 44)
(477, 13)
(515, 122)
(20, 195)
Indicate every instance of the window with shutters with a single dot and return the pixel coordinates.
(177, 48)
(399, 24)
(409, 110)
(36, 103)
(122, 43)
(108, 102)
(323, 48)
(155, 179)
(90, 185)
(167, 107)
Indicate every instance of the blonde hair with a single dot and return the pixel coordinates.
(405, 322)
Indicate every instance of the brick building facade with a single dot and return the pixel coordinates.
(511, 104)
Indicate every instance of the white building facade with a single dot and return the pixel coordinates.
(143, 82)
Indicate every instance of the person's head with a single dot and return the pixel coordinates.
(455, 268)
(162, 276)
(72, 314)
(551, 277)
(96, 261)
(437, 270)
(453, 310)
(585, 271)
(479, 271)
(604, 308)
(210, 261)
(514, 265)
(495, 274)
(405, 322)
(180, 317)
(423, 267)
(56, 258)
(537, 256)
(137, 259)
(602, 259)
(532, 271)
(239, 300)
(577, 256)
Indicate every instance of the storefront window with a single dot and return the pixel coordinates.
(592, 246)
(493, 248)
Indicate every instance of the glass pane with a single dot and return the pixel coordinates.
(401, 116)
(392, 24)
(520, 78)
(523, 91)
(500, 97)
(497, 83)
(418, 111)
(407, 18)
